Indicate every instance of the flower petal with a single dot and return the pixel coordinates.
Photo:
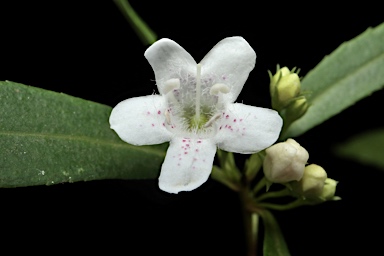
(231, 59)
(246, 129)
(187, 165)
(140, 120)
(168, 60)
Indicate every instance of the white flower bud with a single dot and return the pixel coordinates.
(285, 162)
(312, 183)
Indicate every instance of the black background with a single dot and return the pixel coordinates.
(88, 50)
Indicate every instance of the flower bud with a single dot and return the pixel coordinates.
(329, 189)
(280, 73)
(312, 183)
(284, 86)
(296, 109)
(285, 162)
(252, 166)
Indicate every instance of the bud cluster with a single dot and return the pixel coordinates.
(287, 97)
(286, 163)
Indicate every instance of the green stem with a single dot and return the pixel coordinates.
(279, 207)
(251, 223)
(259, 185)
(146, 35)
(274, 194)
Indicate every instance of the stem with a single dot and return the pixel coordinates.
(146, 35)
(251, 222)
(279, 207)
(274, 194)
(259, 185)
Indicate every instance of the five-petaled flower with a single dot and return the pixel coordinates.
(195, 111)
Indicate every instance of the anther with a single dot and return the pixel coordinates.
(167, 117)
(171, 84)
(217, 88)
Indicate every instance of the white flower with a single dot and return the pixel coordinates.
(195, 111)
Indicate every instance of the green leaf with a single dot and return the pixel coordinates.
(48, 138)
(274, 243)
(366, 148)
(353, 71)
(143, 31)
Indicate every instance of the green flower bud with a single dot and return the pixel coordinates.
(284, 87)
(252, 166)
(280, 73)
(296, 109)
(312, 183)
(285, 162)
(329, 189)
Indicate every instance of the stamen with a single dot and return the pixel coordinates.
(167, 117)
(198, 91)
(171, 84)
(217, 88)
(213, 119)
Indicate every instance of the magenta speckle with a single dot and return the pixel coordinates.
(187, 145)
(163, 124)
(226, 126)
(220, 128)
(148, 113)
(229, 127)
(199, 141)
(153, 125)
(185, 153)
(234, 120)
(227, 116)
(197, 150)
(184, 140)
(159, 112)
(241, 119)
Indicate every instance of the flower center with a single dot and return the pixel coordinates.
(194, 103)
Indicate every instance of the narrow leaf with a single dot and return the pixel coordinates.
(366, 148)
(353, 71)
(48, 138)
(274, 243)
(143, 31)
